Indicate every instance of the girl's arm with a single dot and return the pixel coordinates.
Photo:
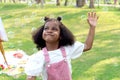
(92, 21)
(31, 78)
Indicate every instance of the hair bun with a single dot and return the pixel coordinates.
(46, 18)
(59, 18)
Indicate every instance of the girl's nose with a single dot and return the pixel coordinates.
(49, 30)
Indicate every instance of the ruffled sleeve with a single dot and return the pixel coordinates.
(35, 64)
(75, 50)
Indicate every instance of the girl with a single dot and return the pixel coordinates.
(53, 35)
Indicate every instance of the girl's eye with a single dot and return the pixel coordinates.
(54, 28)
(45, 28)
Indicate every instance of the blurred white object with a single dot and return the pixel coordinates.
(16, 61)
(3, 35)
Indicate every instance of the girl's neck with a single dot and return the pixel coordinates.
(52, 46)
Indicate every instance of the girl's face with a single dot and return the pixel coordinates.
(51, 32)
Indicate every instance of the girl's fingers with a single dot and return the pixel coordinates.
(94, 15)
(89, 14)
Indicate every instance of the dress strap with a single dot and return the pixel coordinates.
(63, 51)
(47, 59)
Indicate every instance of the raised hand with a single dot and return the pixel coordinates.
(92, 19)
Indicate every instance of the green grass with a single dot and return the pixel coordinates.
(100, 63)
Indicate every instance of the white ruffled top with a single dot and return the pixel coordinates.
(36, 63)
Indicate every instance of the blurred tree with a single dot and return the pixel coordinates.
(80, 3)
(40, 1)
(57, 2)
(37, 1)
(107, 2)
(115, 2)
(91, 5)
(66, 1)
(13, 1)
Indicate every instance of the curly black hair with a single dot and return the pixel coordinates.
(66, 36)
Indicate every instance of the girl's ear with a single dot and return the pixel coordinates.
(46, 18)
(59, 18)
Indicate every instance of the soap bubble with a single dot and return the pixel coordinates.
(17, 21)
(35, 50)
(52, 16)
(26, 19)
(83, 17)
(116, 64)
(23, 25)
(42, 19)
(105, 9)
(33, 29)
(10, 34)
(19, 43)
(30, 3)
(33, 14)
(10, 45)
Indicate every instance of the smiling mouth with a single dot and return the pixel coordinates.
(49, 35)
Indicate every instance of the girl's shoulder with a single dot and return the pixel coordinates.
(76, 44)
(75, 50)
